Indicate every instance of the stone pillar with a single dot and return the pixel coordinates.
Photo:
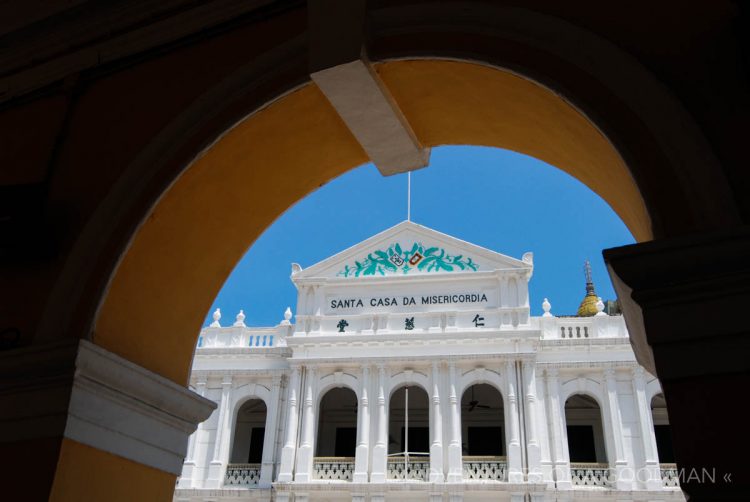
(533, 448)
(623, 479)
(558, 437)
(218, 465)
(652, 471)
(305, 452)
(286, 465)
(515, 469)
(683, 300)
(362, 454)
(190, 474)
(269, 437)
(436, 445)
(380, 451)
(455, 459)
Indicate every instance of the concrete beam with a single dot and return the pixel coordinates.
(337, 66)
(360, 98)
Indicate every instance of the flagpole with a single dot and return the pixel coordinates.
(408, 196)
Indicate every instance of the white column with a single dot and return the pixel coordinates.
(515, 469)
(290, 442)
(362, 453)
(558, 439)
(190, 477)
(623, 480)
(455, 460)
(652, 472)
(303, 471)
(436, 446)
(380, 451)
(533, 448)
(217, 468)
(269, 437)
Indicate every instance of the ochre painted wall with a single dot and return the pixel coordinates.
(87, 474)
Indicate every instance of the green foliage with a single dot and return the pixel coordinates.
(394, 259)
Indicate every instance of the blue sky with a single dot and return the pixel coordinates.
(494, 198)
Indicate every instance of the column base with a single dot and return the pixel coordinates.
(286, 465)
(215, 475)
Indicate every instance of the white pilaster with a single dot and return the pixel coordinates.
(612, 406)
(515, 469)
(651, 468)
(380, 451)
(218, 465)
(436, 446)
(455, 460)
(303, 471)
(190, 477)
(290, 443)
(269, 437)
(533, 448)
(560, 454)
(363, 431)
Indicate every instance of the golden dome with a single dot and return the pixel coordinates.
(588, 306)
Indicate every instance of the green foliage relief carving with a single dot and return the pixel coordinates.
(397, 259)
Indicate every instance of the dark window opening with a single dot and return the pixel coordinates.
(485, 441)
(419, 439)
(664, 444)
(346, 442)
(581, 443)
(255, 455)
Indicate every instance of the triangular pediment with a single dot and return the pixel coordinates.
(410, 249)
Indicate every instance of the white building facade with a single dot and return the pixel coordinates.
(414, 371)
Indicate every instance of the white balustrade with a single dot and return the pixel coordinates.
(242, 474)
(485, 468)
(333, 468)
(590, 474)
(416, 469)
(669, 475)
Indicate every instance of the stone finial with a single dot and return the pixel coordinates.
(528, 257)
(216, 316)
(287, 316)
(240, 320)
(296, 268)
(599, 306)
(546, 306)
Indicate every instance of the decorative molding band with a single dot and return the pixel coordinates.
(85, 393)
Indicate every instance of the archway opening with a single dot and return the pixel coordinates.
(483, 434)
(583, 422)
(662, 430)
(247, 446)
(337, 435)
(409, 434)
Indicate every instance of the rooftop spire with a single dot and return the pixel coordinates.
(588, 305)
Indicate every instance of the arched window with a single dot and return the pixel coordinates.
(249, 431)
(662, 430)
(483, 433)
(583, 420)
(409, 434)
(337, 424)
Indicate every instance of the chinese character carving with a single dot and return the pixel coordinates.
(478, 321)
(409, 323)
(342, 325)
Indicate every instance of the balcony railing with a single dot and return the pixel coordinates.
(333, 468)
(242, 474)
(590, 474)
(416, 468)
(485, 468)
(669, 475)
